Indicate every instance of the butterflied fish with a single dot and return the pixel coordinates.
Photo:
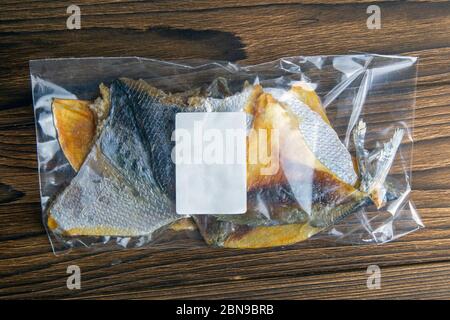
(161, 110)
(124, 186)
(314, 167)
(75, 124)
(312, 185)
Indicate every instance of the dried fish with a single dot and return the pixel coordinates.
(122, 188)
(304, 184)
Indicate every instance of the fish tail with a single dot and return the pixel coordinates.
(374, 167)
(377, 188)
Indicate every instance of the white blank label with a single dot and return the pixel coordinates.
(210, 157)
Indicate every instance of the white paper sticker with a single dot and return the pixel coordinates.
(210, 157)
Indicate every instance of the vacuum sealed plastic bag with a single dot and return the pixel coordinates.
(137, 151)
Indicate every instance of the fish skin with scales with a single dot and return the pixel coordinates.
(117, 192)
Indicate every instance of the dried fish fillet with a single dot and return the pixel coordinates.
(303, 191)
(119, 190)
(320, 138)
(75, 124)
(130, 166)
(241, 236)
(262, 236)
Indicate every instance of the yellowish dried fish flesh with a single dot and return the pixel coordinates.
(75, 124)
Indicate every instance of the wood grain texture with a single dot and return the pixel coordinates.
(415, 266)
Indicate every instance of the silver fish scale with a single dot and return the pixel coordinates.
(234, 103)
(320, 137)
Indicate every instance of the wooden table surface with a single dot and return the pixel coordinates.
(415, 266)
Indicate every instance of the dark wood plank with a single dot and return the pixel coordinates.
(416, 266)
(395, 284)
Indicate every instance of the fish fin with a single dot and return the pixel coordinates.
(362, 155)
(219, 88)
(102, 104)
(358, 104)
(377, 188)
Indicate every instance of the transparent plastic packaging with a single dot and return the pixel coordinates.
(342, 142)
